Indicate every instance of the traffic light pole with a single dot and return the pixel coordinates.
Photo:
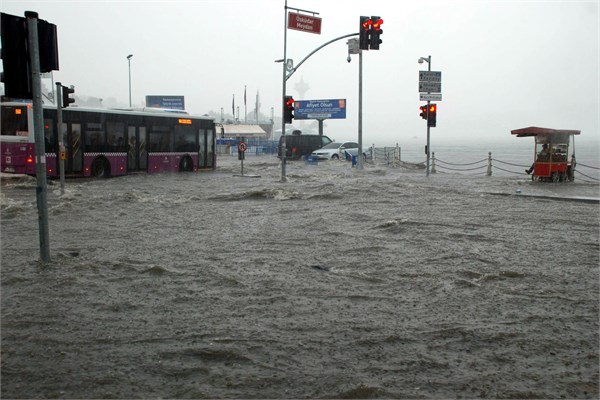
(38, 126)
(359, 163)
(61, 144)
(287, 76)
(283, 65)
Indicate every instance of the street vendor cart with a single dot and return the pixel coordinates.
(554, 153)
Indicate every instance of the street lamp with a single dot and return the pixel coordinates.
(428, 61)
(129, 63)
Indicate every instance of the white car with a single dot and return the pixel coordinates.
(334, 150)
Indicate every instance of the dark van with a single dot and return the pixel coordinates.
(298, 145)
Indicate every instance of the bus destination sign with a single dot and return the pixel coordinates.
(304, 23)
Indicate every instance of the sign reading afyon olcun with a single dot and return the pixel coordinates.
(320, 109)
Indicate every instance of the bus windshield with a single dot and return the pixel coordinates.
(14, 121)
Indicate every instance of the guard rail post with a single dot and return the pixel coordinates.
(489, 168)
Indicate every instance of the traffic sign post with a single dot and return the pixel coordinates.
(430, 88)
(242, 147)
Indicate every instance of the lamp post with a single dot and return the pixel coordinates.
(129, 63)
(428, 61)
(353, 48)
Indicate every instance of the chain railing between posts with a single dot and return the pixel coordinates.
(489, 165)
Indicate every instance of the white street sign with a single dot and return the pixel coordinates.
(431, 96)
(432, 87)
(430, 76)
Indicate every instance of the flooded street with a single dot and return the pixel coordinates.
(339, 283)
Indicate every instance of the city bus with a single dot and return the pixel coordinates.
(107, 142)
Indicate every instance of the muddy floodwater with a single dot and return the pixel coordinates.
(338, 283)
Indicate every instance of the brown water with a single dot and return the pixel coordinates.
(379, 283)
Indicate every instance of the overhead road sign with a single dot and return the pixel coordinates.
(304, 23)
(320, 109)
(171, 102)
(431, 97)
(430, 87)
(430, 76)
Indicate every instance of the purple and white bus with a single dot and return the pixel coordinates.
(104, 142)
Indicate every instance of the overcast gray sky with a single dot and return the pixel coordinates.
(505, 64)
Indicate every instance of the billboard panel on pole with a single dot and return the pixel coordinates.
(320, 109)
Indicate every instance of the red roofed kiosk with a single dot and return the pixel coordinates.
(554, 153)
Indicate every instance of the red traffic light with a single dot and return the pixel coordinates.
(289, 103)
(432, 108)
(288, 109)
(366, 24)
(376, 24)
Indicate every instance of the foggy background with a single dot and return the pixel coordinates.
(505, 65)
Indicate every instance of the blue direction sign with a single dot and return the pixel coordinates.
(172, 102)
(320, 109)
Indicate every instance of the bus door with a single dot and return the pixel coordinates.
(74, 152)
(202, 148)
(210, 148)
(137, 152)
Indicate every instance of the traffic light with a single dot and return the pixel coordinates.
(363, 33)
(432, 115)
(15, 57)
(48, 46)
(423, 112)
(288, 109)
(376, 31)
(66, 99)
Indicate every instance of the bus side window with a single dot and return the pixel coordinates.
(116, 137)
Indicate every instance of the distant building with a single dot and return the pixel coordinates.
(244, 131)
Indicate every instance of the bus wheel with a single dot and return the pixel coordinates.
(100, 168)
(186, 164)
